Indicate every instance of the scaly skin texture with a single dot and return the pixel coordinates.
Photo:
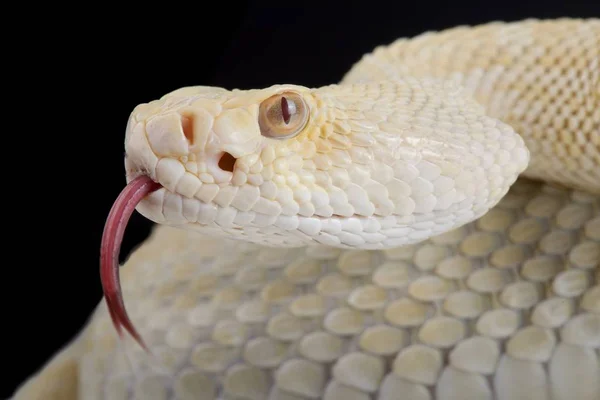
(379, 165)
(540, 78)
(395, 294)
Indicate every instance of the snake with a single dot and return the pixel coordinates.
(426, 228)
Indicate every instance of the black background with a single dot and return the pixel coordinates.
(102, 62)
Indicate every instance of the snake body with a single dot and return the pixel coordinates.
(430, 231)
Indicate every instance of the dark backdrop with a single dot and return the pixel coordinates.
(107, 60)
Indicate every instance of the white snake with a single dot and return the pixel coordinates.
(381, 253)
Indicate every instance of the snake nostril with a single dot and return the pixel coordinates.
(227, 162)
(187, 125)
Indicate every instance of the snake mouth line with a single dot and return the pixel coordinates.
(112, 238)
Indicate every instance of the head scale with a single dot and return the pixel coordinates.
(370, 165)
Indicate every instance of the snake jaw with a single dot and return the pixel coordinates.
(119, 215)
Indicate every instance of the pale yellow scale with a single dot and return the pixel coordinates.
(508, 306)
(505, 307)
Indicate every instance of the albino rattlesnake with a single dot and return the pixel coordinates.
(410, 286)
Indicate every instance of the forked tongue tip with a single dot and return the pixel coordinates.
(112, 237)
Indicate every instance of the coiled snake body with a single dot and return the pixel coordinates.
(427, 228)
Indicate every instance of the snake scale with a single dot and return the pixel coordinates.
(427, 228)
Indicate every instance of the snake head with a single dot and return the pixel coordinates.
(364, 165)
(369, 165)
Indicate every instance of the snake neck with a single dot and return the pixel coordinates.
(541, 77)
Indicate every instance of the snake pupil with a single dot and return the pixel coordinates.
(285, 110)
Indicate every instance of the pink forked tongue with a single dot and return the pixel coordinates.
(112, 237)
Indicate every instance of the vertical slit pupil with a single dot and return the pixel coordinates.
(285, 110)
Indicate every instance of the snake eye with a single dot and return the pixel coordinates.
(283, 115)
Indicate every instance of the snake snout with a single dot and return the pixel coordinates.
(219, 163)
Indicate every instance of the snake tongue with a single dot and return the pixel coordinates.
(112, 237)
